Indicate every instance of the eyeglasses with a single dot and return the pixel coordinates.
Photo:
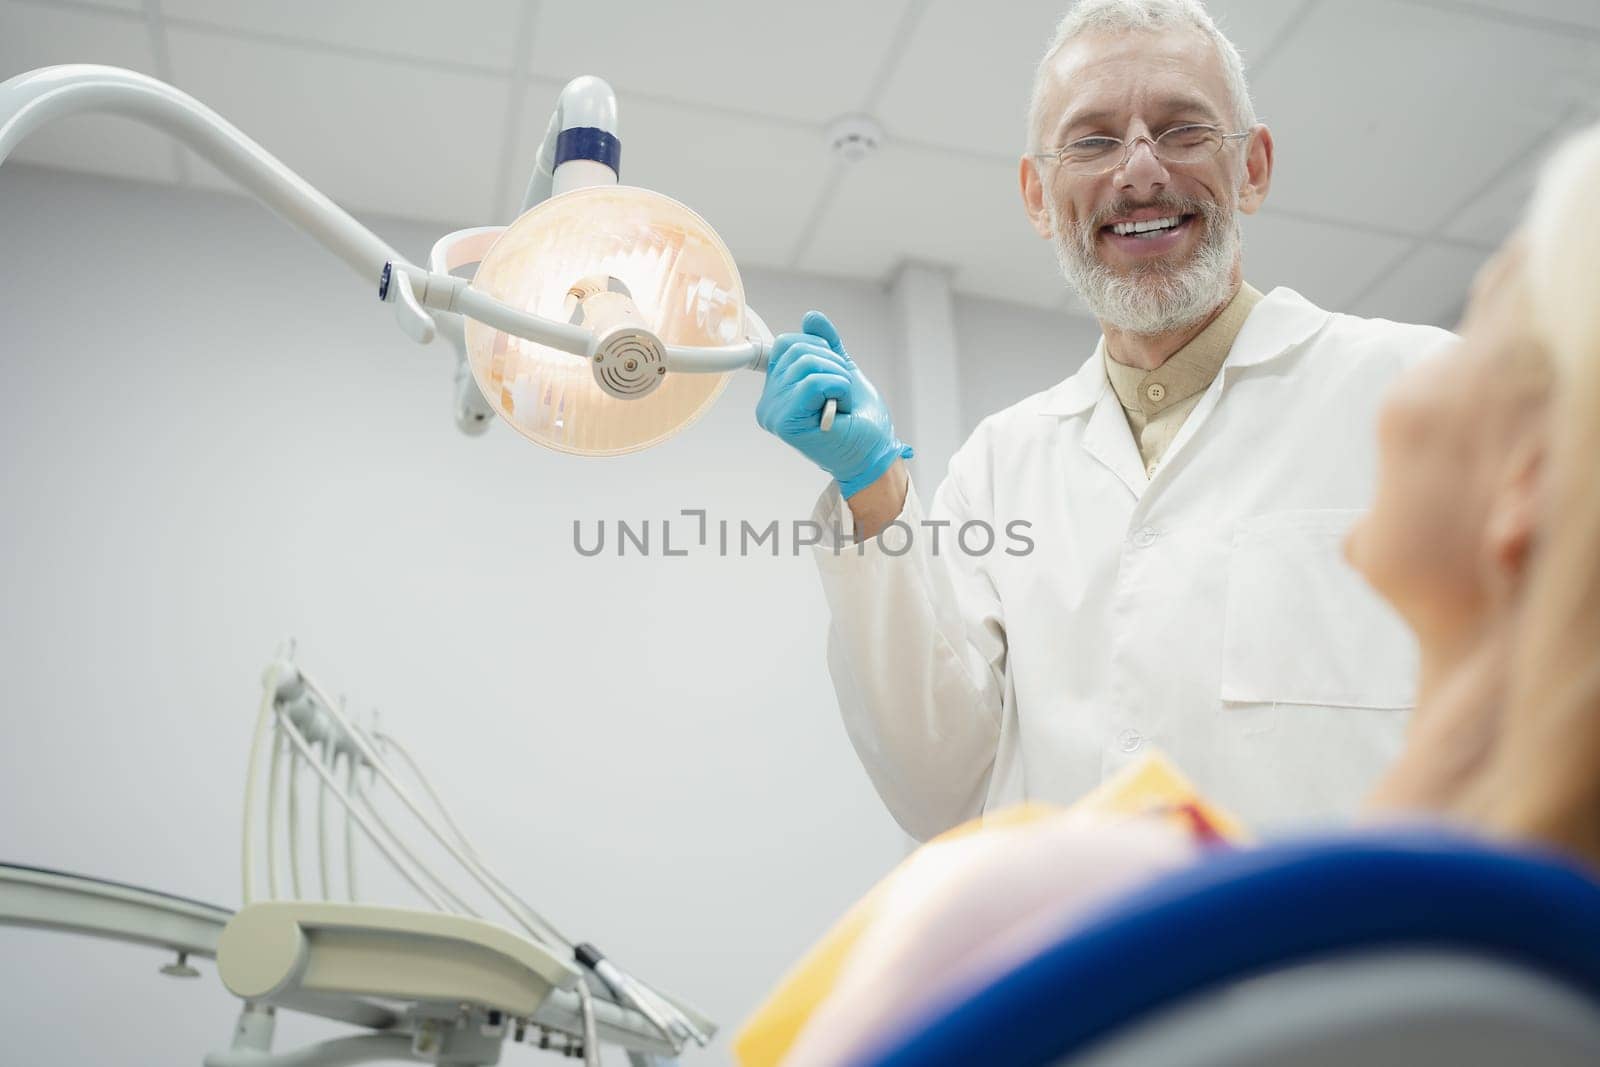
(1192, 143)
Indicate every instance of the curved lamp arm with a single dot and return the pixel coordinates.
(36, 97)
(30, 100)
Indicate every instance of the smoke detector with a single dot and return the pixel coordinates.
(854, 137)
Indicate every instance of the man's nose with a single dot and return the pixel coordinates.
(1142, 172)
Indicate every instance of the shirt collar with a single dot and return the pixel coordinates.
(1282, 320)
(1188, 371)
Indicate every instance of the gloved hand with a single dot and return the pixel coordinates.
(805, 371)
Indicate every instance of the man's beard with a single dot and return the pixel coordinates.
(1153, 297)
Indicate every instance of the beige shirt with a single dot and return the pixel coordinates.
(1157, 401)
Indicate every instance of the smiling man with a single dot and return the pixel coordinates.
(1181, 498)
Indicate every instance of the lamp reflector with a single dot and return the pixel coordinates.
(668, 262)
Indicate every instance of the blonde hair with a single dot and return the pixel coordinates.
(1117, 16)
(1543, 780)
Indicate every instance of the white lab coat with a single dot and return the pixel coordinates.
(1206, 610)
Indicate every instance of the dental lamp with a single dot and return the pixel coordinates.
(603, 320)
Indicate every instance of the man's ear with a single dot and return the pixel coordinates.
(1516, 515)
(1033, 194)
(1257, 170)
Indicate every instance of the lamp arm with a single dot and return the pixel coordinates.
(746, 355)
(36, 97)
(32, 99)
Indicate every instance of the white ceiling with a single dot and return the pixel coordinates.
(1406, 129)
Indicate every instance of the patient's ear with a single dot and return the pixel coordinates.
(1515, 517)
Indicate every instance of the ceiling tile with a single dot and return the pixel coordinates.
(476, 32)
(358, 129)
(1329, 265)
(1576, 12)
(1425, 124)
(32, 36)
(1431, 286)
(1492, 217)
(1254, 26)
(756, 200)
(114, 5)
(807, 61)
(945, 92)
(918, 203)
(1489, 219)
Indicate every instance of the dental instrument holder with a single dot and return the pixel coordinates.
(421, 297)
(378, 966)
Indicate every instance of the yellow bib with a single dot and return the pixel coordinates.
(1149, 788)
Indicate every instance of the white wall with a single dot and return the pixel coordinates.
(1009, 351)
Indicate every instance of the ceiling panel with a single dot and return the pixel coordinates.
(724, 109)
(115, 5)
(1425, 125)
(476, 32)
(33, 36)
(916, 203)
(808, 61)
(756, 200)
(1584, 13)
(1430, 286)
(1491, 217)
(1329, 265)
(946, 92)
(358, 129)
(1255, 26)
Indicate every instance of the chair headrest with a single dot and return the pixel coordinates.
(1240, 913)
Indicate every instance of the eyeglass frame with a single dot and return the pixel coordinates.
(1128, 143)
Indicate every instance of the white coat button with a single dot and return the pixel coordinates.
(1145, 536)
(1156, 392)
(1130, 740)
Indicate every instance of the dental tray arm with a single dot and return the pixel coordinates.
(115, 911)
(56, 900)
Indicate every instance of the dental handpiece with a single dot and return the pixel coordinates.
(636, 996)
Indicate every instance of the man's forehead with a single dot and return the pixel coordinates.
(1104, 74)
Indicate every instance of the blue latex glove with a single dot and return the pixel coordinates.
(804, 372)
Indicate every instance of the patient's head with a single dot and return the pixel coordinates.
(1544, 778)
(1460, 443)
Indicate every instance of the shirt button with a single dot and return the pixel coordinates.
(1130, 740)
(1156, 392)
(1145, 536)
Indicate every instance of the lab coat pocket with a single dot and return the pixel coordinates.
(1303, 627)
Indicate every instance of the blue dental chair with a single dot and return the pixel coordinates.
(1414, 948)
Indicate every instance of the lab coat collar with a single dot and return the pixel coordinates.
(1079, 392)
(1281, 321)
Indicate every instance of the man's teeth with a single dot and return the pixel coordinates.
(1123, 229)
